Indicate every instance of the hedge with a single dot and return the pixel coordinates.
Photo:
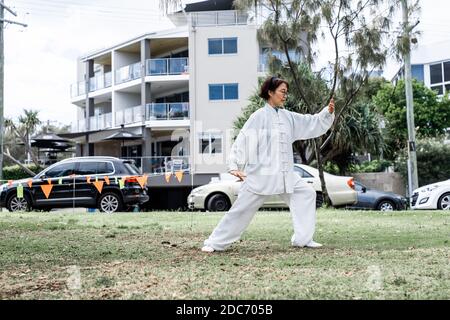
(16, 173)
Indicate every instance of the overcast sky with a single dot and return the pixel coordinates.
(40, 60)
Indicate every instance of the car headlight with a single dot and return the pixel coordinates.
(3, 187)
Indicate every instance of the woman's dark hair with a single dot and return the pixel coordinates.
(271, 84)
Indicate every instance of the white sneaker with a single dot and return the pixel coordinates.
(207, 249)
(313, 244)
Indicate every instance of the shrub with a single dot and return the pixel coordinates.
(16, 173)
(370, 166)
(433, 161)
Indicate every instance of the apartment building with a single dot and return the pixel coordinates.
(431, 65)
(176, 92)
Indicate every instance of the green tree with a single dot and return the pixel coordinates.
(431, 114)
(356, 30)
(22, 131)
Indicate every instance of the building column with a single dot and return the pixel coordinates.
(146, 150)
(146, 97)
(89, 111)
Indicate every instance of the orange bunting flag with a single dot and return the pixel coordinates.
(10, 182)
(107, 180)
(30, 183)
(46, 188)
(49, 181)
(168, 174)
(99, 185)
(142, 180)
(179, 175)
(88, 179)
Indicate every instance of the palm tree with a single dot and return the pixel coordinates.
(27, 125)
(29, 121)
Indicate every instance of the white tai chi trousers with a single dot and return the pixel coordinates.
(302, 204)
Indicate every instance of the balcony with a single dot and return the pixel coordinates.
(100, 82)
(78, 89)
(172, 66)
(218, 18)
(167, 111)
(100, 122)
(129, 115)
(128, 73)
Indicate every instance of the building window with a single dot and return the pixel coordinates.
(440, 77)
(210, 143)
(222, 46)
(226, 91)
(436, 73)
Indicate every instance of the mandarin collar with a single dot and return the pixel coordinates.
(271, 109)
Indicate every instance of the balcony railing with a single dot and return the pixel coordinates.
(128, 73)
(100, 82)
(172, 66)
(129, 115)
(78, 89)
(100, 122)
(162, 164)
(218, 18)
(167, 111)
(79, 126)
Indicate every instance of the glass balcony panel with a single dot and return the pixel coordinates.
(226, 18)
(128, 115)
(178, 65)
(178, 111)
(108, 79)
(157, 67)
(120, 118)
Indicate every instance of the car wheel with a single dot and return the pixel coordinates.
(444, 202)
(386, 205)
(319, 200)
(218, 202)
(109, 203)
(18, 204)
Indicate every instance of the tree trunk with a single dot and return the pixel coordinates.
(31, 173)
(326, 198)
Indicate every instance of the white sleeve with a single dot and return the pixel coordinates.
(307, 126)
(238, 157)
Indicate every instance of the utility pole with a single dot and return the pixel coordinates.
(3, 7)
(413, 180)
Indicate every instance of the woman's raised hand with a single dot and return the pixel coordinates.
(331, 105)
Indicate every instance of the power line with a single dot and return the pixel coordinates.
(62, 3)
(3, 7)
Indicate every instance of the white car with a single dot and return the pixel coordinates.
(433, 196)
(220, 195)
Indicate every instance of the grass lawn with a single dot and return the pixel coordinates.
(155, 255)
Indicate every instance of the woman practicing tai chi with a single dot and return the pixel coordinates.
(262, 158)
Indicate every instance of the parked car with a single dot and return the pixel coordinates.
(220, 195)
(378, 200)
(75, 190)
(432, 196)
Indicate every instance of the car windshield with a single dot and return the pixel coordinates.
(131, 167)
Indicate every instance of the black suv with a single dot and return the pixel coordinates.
(71, 187)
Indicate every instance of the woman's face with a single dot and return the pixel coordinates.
(279, 96)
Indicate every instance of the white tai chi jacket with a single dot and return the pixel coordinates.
(263, 148)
